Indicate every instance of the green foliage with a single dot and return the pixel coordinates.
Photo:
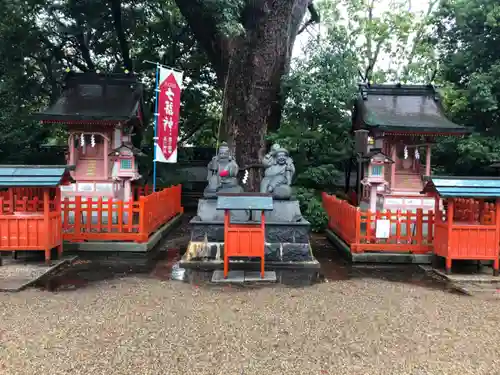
(312, 208)
(468, 35)
(83, 36)
(470, 156)
(391, 38)
(315, 129)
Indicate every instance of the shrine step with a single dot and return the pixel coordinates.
(243, 276)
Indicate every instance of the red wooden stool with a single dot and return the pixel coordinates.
(244, 239)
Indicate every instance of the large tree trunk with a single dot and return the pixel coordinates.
(250, 67)
(256, 66)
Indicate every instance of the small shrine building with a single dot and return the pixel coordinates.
(402, 123)
(102, 112)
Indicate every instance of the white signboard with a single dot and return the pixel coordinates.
(101, 187)
(383, 228)
(393, 201)
(85, 187)
(71, 187)
(429, 202)
(413, 202)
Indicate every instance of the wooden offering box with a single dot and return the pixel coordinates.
(244, 239)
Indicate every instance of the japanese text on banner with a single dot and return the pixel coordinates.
(167, 125)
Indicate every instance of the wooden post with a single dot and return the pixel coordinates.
(419, 226)
(428, 160)
(58, 209)
(481, 211)
(143, 232)
(12, 206)
(71, 141)
(357, 233)
(393, 167)
(106, 157)
(451, 204)
(46, 224)
(497, 231)
(436, 209)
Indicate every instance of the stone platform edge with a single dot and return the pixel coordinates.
(123, 246)
(376, 257)
(51, 270)
(485, 277)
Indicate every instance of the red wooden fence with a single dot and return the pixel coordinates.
(109, 220)
(410, 232)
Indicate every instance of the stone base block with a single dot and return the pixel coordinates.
(274, 252)
(275, 232)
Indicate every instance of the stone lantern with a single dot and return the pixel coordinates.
(375, 164)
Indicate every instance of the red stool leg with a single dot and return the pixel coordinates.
(226, 265)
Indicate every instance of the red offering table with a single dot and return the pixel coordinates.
(244, 239)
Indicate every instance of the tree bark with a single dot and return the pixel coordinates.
(250, 67)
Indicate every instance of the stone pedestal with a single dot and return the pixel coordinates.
(285, 242)
(287, 232)
(207, 212)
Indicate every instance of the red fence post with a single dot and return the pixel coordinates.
(357, 226)
(143, 230)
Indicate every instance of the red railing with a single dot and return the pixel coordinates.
(25, 224)
(406, 231)
(24, 204)
(24, 193)
(160, 207)
(109, 220)
(343, 218)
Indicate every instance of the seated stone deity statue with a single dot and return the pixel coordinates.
(279, 171)
(222, 173)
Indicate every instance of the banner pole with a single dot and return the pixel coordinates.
(163, 66)
(155, 139)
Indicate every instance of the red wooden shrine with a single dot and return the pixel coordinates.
(30, 208)
(404, 123)
(468, 226)
(244, 239)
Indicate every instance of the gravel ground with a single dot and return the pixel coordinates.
(138, 325)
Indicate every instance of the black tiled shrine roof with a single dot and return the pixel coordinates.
(404, 108)
(96, 97)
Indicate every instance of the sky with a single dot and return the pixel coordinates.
(381, 6)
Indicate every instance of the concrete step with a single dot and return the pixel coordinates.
(418, 182)
(407, 192)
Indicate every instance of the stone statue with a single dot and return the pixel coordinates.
(222, 173)
(279, 170)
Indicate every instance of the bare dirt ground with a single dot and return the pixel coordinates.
(122, 319)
